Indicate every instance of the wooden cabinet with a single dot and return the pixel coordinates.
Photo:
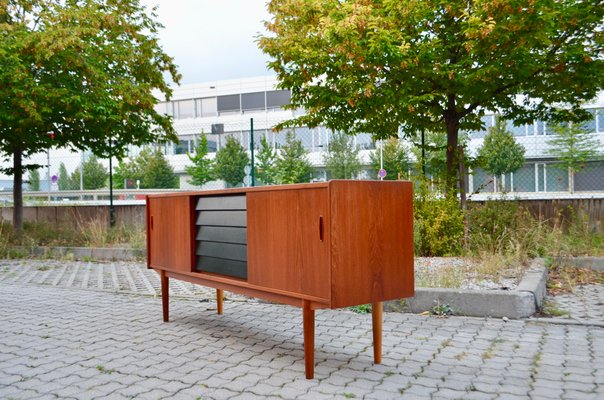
(324, 245)
(169, 233)
(289, 241)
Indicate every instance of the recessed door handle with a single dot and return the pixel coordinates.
(151, 222)
(321, 228)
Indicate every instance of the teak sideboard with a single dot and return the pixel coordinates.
(319, 245)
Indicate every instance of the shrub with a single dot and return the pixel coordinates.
(438, 225)
(505, 228)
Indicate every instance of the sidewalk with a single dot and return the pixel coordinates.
(57, 340)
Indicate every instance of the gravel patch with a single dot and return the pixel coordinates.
(462, 273)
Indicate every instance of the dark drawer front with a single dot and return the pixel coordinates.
(222, 235)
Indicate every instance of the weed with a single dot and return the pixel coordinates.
(350, 395)
(461, 356)
(491, 350)
(536, 362)
(361, 309)
(441, 310)
(44, 268)
(550, 308)
(445, 343)
(388, 373)
(104, 370)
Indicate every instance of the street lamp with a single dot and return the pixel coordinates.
(111, 208)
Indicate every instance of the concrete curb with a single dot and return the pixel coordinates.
(523, 302)
(595, 263)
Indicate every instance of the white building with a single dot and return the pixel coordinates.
(232, 103)
(229, 106)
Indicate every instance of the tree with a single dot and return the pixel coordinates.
(376, 66)
(265, 166)
(395, 159)
(201, 171)
(292, 164)
(500, 153)
(75, 74)
(158, 174)
(94, 175)
(132, 169)
(573, 146)
(33, 181)
(64, 182)
(231, 161)
(432, 162)
(342, 157)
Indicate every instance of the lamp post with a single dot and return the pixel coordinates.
(111, 208)
(252, 150)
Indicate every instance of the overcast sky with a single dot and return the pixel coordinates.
(213, 39)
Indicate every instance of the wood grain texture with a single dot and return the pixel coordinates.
(371, 241)
(171, 228)
(285, 250)
(219, 301)
(376, 321)
(165, 295)
(308, 323)
(244, 288)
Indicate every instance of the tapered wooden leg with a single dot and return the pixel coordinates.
(376, 319)
(308, 320)
(219, 297)
(165, 301)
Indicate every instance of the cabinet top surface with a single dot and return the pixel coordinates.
(299, 186)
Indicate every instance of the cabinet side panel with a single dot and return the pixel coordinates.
(170, 236)
(285, 250)
(371, 242)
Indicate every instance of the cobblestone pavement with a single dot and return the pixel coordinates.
(58, 342)
(122, 277)
(585, 304)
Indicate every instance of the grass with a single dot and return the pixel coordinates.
(92, 233)
(502, 239)
(551, 309)
(104, 370)
(361, 309)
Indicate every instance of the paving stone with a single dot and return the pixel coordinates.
(52, 335)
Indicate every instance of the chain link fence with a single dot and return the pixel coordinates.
(556, 162)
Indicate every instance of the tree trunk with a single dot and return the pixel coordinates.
(18, 192)
(452, 178)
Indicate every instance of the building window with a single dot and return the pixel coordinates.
(600, 119)
(182, 147)
(253, 101)
(186, 109)
(277, 98)
(228, 104)
(209, 107)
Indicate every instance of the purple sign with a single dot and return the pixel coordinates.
(382, 173)
(54, 179)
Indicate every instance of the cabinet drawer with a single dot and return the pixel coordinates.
(221, 239)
